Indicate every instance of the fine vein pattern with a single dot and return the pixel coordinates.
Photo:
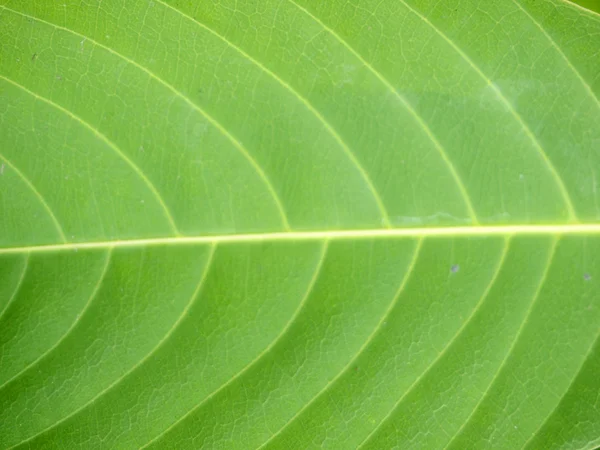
(275, 224)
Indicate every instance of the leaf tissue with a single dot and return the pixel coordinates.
(292, 224)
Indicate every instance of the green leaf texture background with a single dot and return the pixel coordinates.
(594, 5)
(299, 224)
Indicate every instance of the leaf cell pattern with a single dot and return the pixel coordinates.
(299, 224)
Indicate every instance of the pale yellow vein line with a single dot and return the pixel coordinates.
(580, 9)
(416, 116)
(362, 348)
(106, 141)
(566, 392)
(593, 445)
(237, 144)
(585, 84)
(141, 361)
(330, 129)
(440, 355)
(513, 344)
(557, 178)
(18, 286)
(264, 352)
(71, 328)
(39, 196)
(388, 233)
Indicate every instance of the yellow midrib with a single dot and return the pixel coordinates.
(460, 231)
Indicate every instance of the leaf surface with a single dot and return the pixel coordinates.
(299, 224)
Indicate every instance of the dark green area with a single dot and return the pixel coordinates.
(594, 5)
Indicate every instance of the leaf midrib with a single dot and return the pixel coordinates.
(320, 235)
(448, 231)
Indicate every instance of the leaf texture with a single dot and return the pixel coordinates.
(299, 224)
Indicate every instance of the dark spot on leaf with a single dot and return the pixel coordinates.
(34, 57)
(455, 268)
(587, 277)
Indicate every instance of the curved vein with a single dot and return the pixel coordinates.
(18, 286)
(263, 353)
(585, 84)
(512, 345)
(237, 144)
(141, 361)
(583, 11)
(319, 235)
(536, 144)
(330, 129)
(106, 141)
(362, 348)
(39, 196)
(585, 358)
(485, 294)
(71, 328)
(416, 116)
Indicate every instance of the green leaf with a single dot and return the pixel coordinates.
(594, 5)
(299, 224)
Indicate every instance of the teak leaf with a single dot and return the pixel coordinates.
(299, 224)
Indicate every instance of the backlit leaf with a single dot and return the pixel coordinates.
(299, 224)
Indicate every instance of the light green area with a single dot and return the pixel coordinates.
(203, 130)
